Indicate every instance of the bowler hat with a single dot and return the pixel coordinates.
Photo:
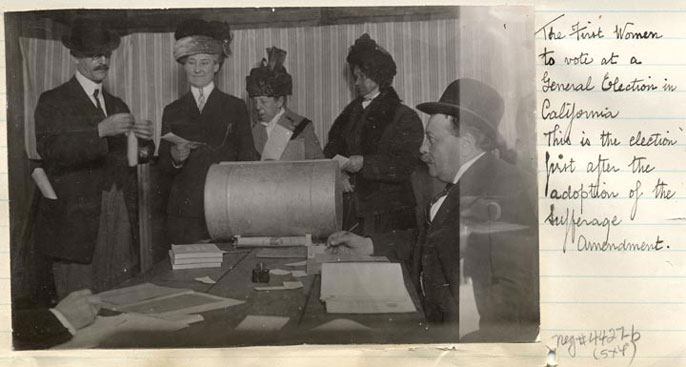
(89, 38)
(470, 101)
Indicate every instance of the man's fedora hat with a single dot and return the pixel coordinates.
(470, 101)
(90, 38)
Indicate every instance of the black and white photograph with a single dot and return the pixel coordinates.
(230, 177)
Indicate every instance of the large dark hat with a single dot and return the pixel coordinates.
(471, 101)
(89, 38)
(196, 36)
(270, 78)
(373, 59)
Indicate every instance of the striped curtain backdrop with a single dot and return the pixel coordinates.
(144, 74)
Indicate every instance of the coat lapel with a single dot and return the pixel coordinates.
(83, 102)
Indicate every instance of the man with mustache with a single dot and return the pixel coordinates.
(90, 231)
(465, 221)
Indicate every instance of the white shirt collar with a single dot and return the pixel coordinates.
(270, 125)
(206, 90)
(437, 205)
(465, 167)
(372, 97)
(88, 85)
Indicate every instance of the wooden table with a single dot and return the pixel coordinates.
(302, 306)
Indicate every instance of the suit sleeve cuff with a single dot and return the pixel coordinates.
(64, 321)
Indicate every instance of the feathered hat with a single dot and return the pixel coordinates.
(373, 60)
(270, 78)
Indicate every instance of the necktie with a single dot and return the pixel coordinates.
(201, 100)
(96, 92)
(435, 199)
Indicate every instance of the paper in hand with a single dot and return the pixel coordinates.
(175, 139)
(131, 149)
(41, 180)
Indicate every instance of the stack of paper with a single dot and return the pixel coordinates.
(365, 288)
(199, 255)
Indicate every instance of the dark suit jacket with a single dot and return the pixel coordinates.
(79, 165)
(388, 135)
(502, 266)
(224, 126)
(37, 329)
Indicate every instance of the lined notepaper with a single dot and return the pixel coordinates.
(611, 117)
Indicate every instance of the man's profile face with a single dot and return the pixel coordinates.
(200, 69)
(94, 67)
(267, 107)
(441, 148)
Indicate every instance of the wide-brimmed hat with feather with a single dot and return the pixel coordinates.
(196, 36)
(270, 78)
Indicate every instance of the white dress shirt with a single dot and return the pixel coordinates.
(206, 90)
(460, 172)
(269, 126)
(89, 86)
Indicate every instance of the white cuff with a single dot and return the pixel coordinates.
(64, 321)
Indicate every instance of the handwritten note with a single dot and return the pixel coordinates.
(611, 136)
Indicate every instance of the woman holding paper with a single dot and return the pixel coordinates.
(203, 127)
(381, 138)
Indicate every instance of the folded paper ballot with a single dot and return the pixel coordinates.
(364, 288)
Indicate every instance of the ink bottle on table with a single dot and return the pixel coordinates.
(260, 274)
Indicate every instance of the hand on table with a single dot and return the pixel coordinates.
(348, 242)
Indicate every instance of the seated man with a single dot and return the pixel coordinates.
(480, 188)
(43, 328)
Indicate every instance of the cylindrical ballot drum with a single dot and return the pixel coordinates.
(273, 198)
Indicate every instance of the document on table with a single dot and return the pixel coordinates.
(105, 327)
(611, 125)
(364, 288)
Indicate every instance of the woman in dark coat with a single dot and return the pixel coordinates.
(381, 137)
